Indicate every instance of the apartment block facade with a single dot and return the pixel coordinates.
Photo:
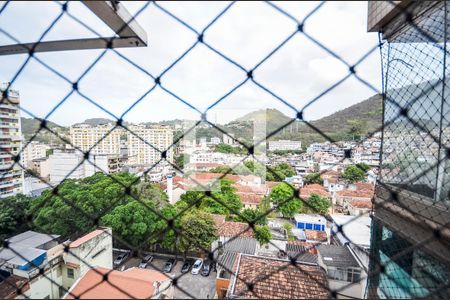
(410, 234)
(143, 143)
(32, 151)
(11, 174)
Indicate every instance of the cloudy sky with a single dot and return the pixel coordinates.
(246, 33)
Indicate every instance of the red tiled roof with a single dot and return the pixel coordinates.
(218, 219)
(232, 229)
(9, 287)
(247, 198)
(331, 173)
(240, 188)
(133, 283)
(316, 235)
(278, 279)
(86, 237)
(364, 186)
(361, 203)
(356, 193)
(307, 190)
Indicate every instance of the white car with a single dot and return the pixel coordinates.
(197, 267)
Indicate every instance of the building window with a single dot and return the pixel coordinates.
(337, 274)
(70, 273)
(353, 275)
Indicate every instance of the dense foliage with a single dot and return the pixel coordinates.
(313, 178)
(284, 198)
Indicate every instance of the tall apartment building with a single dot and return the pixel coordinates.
(410, 239)
(144, 143)
(11, 175)
(103, 138)
(33, 150)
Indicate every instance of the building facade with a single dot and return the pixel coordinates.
(410, 236)
(11, 174)
(103, 139)
(285, 145)
(146, 143)
(32, 151)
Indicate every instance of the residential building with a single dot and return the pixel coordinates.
(228, 139)
(148, 143)
(71, 164)
(11, 174)
(272, 278)
(311, 222)
(410, 237)
(215, 140)
(144, 144)
(38, 265)
(344, 273)
(32, 151)
(100, 139)
(134, 283)
(285, 145)
(355, 233)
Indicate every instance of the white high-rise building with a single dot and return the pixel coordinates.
(103, 138)
(144, 143)
(11, 175)
(33, 150)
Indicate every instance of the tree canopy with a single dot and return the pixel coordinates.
(284, 198)
(354, 174)
(318, 204)
(13, 215)
(263, 234)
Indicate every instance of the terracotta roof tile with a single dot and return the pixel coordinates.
(133, 283)
(361, 203)
(316, 235)
(248, 198)
(364, 186)
(278, 279)
(232, 229)
(307, 190)
(218, 219)
(87, 237)
(356, 193)
(240, 188)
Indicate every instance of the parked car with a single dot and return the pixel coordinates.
(120, 259)
(206, 269)
(187, 266)
(169, 265)
(197, 267)
(145, 261)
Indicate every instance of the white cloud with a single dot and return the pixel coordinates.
(246, 33)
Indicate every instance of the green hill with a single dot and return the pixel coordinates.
(350, 123)
(31, 127)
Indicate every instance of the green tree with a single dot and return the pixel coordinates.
(313, 178)
(13, 215)
(319, 204)
(135, 222)
(363, 166)
(143, 190)
(181, 160)
(263, 234)
(198, 232)
(353, 174)
(283, 197)
(249, 215)
(279, 172)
